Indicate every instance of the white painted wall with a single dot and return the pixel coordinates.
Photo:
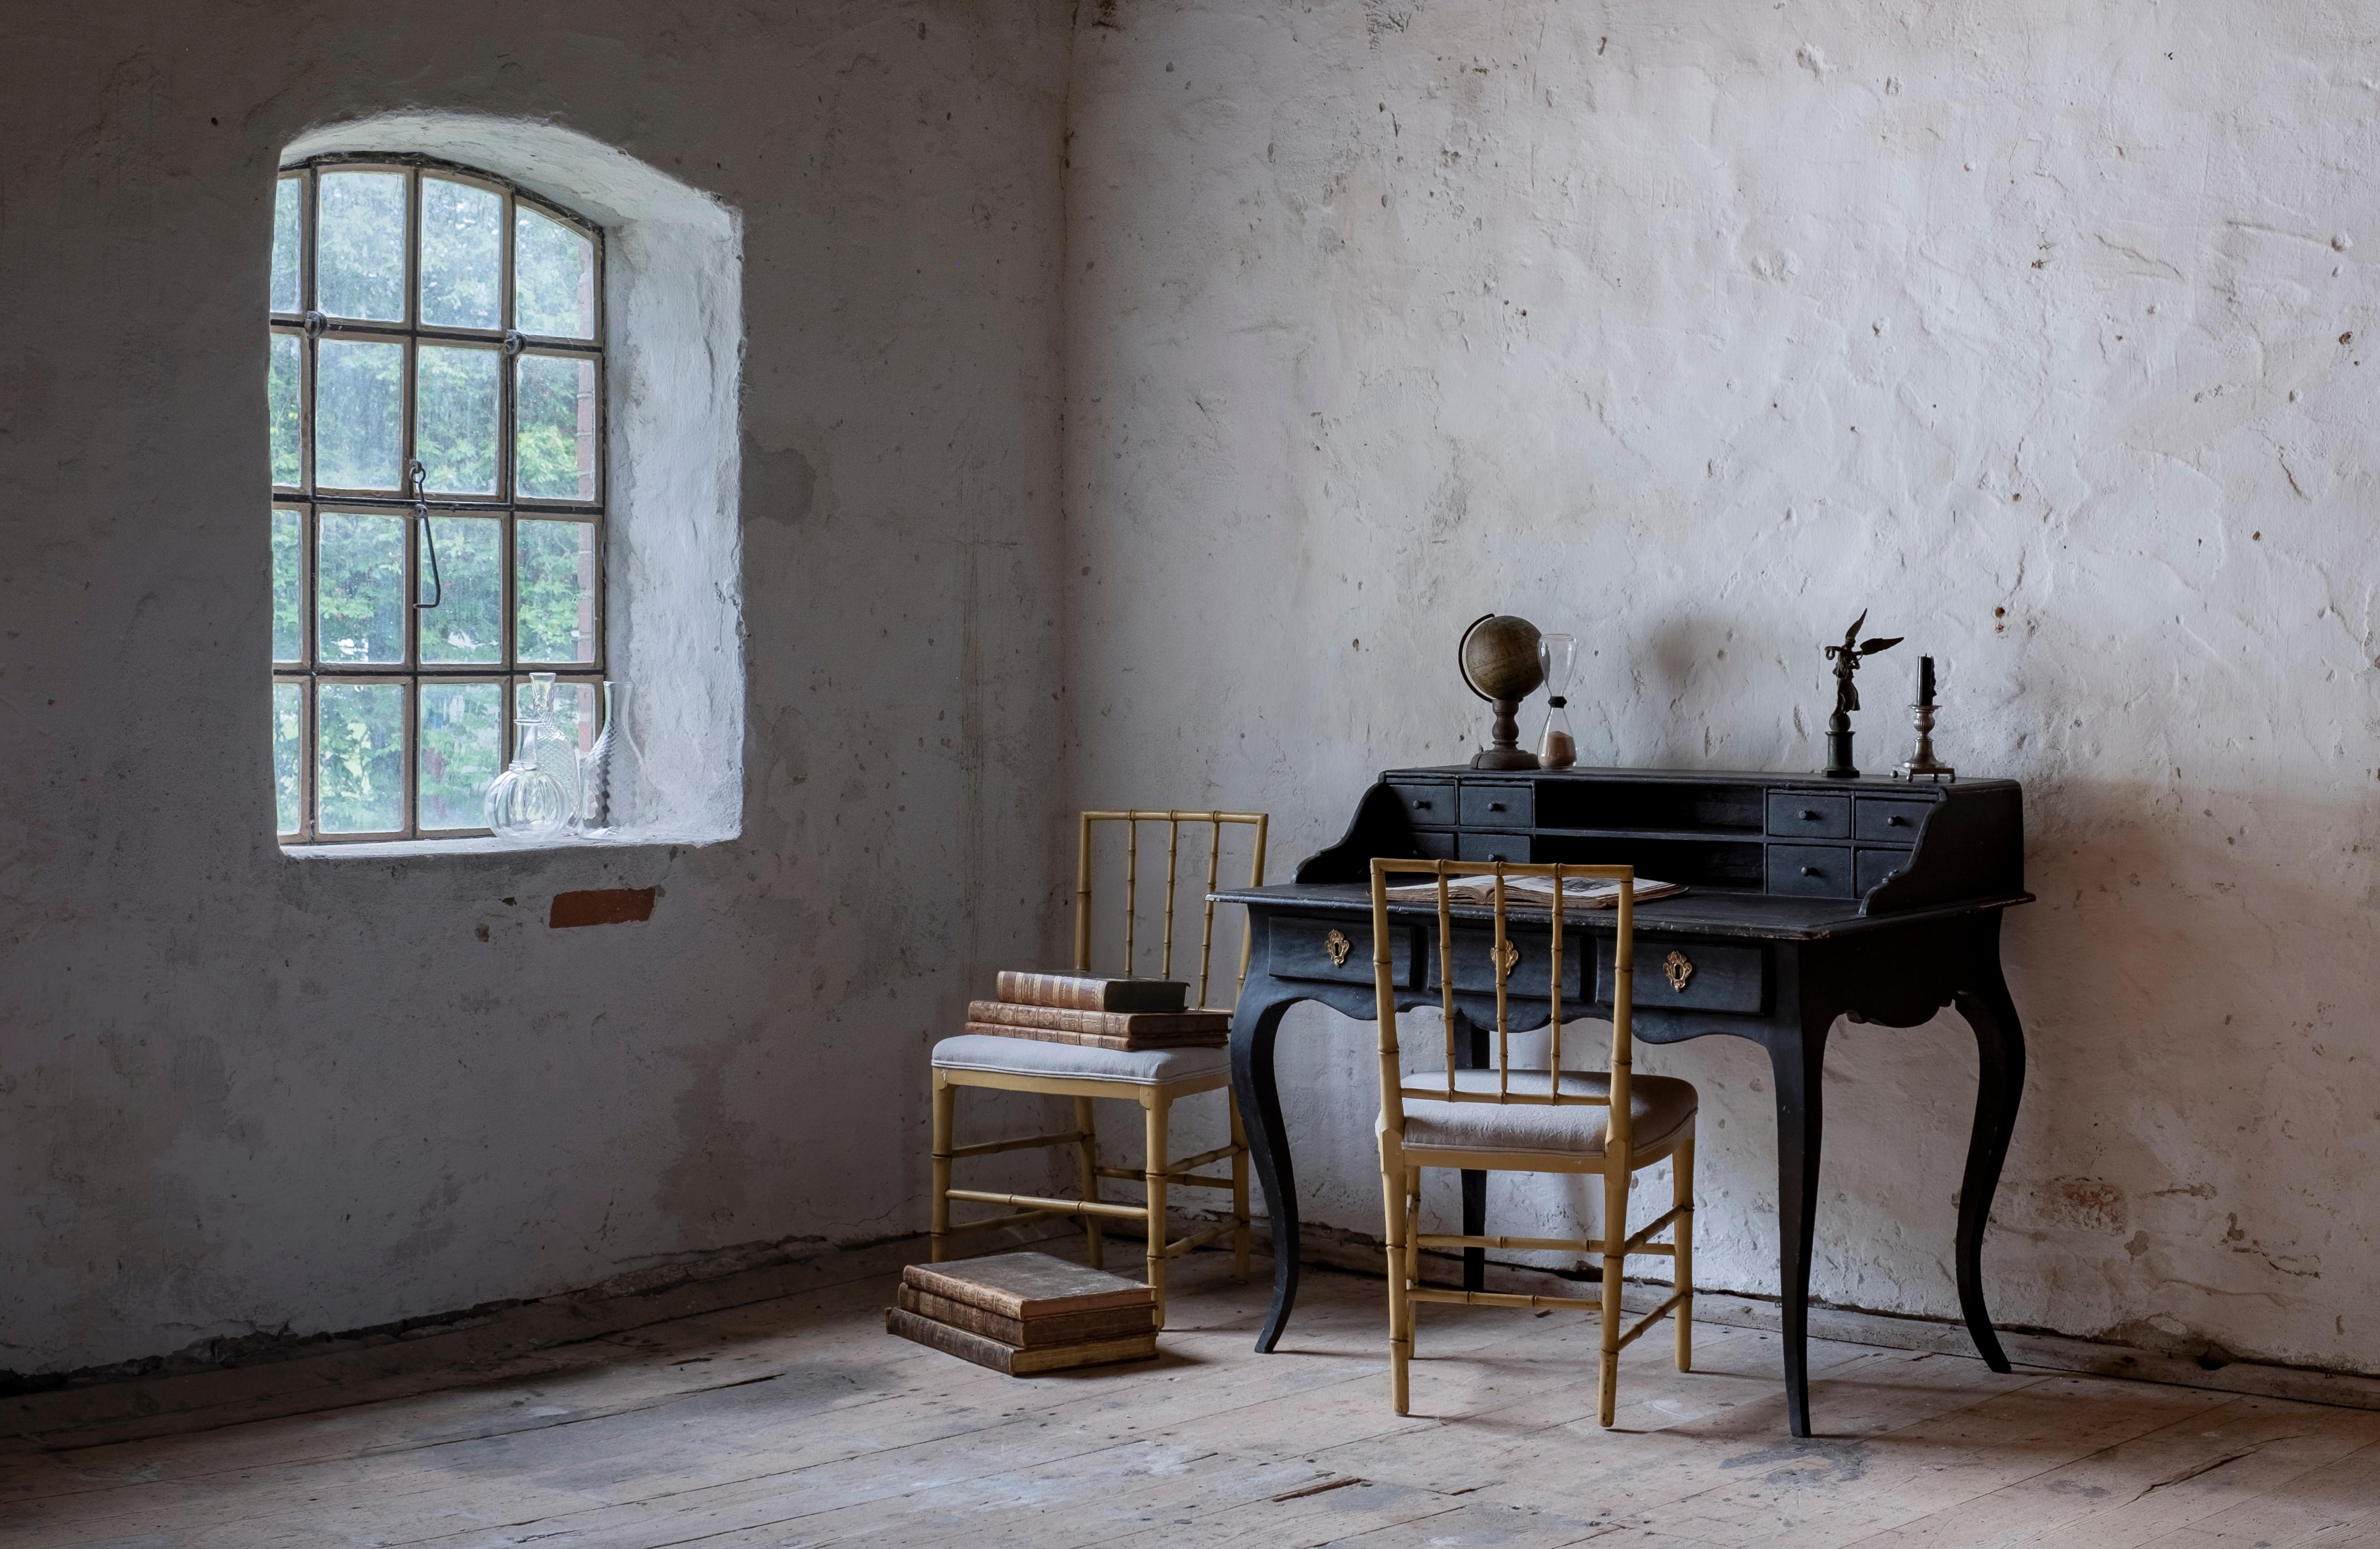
(245, 1095)
(2039, 328)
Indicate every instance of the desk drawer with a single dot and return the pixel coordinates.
(1705, 978)
(1475, 975)
(1499, 806)
(1812, 871)
(1893, 822)
(1490, 847)
(1426, 804)
(1304, 949)
(1809, 816)
(1873, 866)
(1433, 845)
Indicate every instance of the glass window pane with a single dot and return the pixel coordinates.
(284, 383)
(553, 439)
(288, 232)
(554, 579)
(288, 586)
(288, 756)
(455, 419)
(469, 623)
(462, 255)
(359, 596)
(359, 414)
(359, 246)
(461, 743)
(359, 771)
(554, 277)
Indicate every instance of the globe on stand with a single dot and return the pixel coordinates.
(1498, 656)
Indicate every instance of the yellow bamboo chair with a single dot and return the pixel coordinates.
(1155, 1078)
(1507, 1121)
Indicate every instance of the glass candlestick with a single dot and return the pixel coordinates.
(1557, 749)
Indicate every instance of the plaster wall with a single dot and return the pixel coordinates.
(2040, 329)
(247, 1094)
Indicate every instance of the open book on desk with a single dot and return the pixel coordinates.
(1579, 893)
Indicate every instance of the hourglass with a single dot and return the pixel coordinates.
(1557, 749)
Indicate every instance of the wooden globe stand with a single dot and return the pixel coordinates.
(1501, 667)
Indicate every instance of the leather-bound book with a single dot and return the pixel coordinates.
(1062, 1329)
(1028, 1285)
(1089, 992)
(1150, 1027)
(1012, 1360)
(1093, 1040)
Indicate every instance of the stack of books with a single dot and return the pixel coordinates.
(1101, 1012)
(1025, 1312)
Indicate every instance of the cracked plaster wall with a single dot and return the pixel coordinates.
(2039, 328)
(247, 1096)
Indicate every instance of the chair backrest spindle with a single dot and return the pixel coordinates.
(1214, 823)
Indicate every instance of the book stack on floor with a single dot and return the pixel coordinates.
(1126, 1014)
(1021, 1313)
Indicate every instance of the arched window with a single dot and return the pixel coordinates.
(436, 399)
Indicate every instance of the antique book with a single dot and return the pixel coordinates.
(1062, 1329)
(1009, 1358)
(1579, 893)
(1096, 1040)
(1028, 1285)
(1114, 1025)
(1089, 992)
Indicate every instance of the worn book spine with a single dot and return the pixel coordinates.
(1092, 1040)
(931, 1277)
(1008, 1358)
(1063, 1328)
(1114, 1025)
(1086, 992)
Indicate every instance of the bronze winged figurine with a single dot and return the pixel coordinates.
(1847, 657)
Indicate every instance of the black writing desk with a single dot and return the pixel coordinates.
(1812, 900)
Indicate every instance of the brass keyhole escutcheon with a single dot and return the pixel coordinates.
(1508, 957)
(1678, 969)
(1338, 946)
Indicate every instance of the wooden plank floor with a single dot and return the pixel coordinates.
(799, 1422)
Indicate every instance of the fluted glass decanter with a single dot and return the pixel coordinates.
(555, 750)
(1557, 749)
(524, 801)
(608, 770)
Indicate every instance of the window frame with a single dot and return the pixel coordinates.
(312, 501)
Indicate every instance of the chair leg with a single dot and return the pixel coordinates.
(1393, 1205)
(945, 1110)
(1153, 1174)
(1615, 1268)
(1086, 1125)
(1681, 1192)
(1243, 1233)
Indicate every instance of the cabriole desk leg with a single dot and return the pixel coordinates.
(1797, 1060)
(1254, 1021)
(1999, 1047)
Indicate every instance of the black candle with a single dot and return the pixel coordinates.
(1924, 680)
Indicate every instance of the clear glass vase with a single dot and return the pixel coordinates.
(608, 772)
(553, 749)
(524, 801)
(1557, 749)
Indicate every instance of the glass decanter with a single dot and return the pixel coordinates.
(554, 750)
(608, 771)
(524, 801)
(1557, 749)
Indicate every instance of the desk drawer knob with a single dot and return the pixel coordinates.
(1808, 817)
(1896, 821)
(1811, 871)
(1495, 806)
(1422, 806)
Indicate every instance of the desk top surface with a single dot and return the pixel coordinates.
(1700, 913)
(1876, 785)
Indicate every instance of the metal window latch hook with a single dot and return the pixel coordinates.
(415, 477)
